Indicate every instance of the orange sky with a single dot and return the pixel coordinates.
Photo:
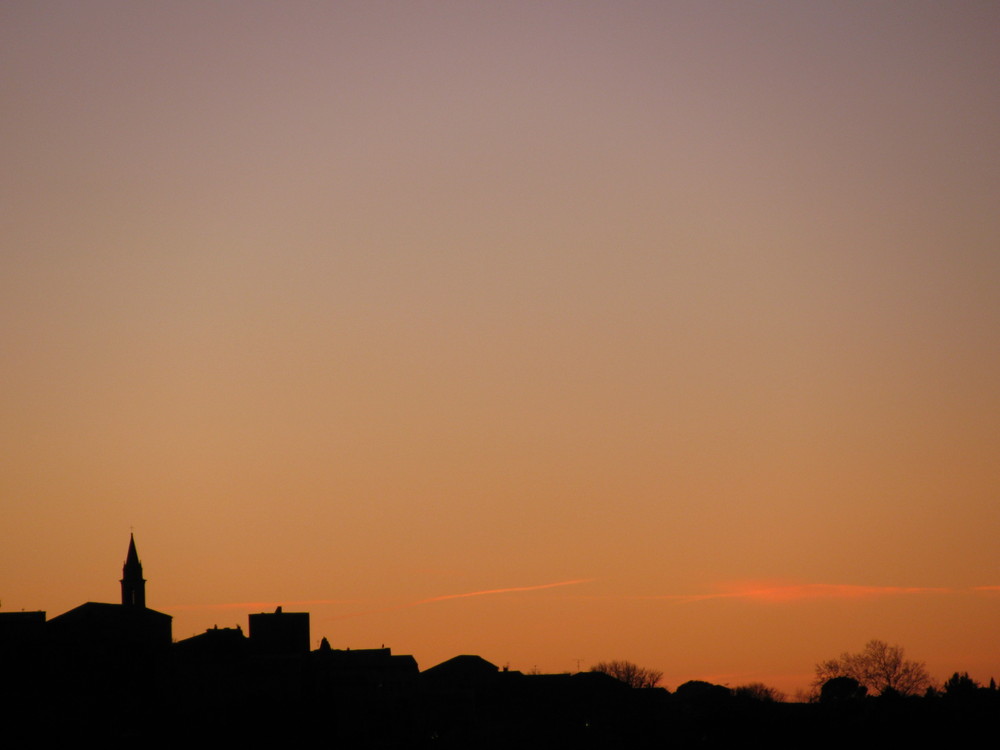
(553, 332)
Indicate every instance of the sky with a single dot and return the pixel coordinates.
(553, 332)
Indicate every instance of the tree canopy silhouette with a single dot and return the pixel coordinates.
(631, 674)
(758, 691)
(879, 667)
(960, 686)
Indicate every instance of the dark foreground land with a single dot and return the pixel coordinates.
(373, 699)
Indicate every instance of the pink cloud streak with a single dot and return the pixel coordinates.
(805, 591)
(795, 592)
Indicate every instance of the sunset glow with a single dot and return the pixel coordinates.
(553, 332)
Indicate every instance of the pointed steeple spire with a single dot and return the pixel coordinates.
(133, 584)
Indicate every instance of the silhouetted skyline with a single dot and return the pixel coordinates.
(113, 671)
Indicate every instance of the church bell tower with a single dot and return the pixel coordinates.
(133, 584)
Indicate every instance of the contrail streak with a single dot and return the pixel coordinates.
(444, 597)
(511, 589)
(262, 605)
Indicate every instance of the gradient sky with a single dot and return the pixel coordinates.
(554, 332)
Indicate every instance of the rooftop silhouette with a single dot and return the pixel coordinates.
(111, 671)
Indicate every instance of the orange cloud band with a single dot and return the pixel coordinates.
(800, 592)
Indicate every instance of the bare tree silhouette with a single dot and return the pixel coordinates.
(631, 674)
(879, 667)
(760, 692)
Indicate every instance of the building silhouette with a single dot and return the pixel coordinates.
(280, 632)
(114, 629)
